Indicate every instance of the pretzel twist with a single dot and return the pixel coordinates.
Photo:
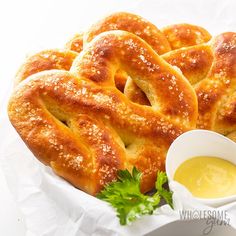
(162, 41)
(209, 66)
(217, 91)
(211, 69)
(81, 125)
(75, 119)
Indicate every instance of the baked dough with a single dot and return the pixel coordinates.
(82, 126)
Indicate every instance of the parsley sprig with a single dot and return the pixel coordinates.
(125, 195)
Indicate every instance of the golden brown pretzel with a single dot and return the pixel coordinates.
(211, 69)
(194, 62)
(169, 38)
(217, 92)
(45, 60)
(76, 43)
(185, 35)
(134, 24)
(81, 125)
(175, 36)
(127, 22)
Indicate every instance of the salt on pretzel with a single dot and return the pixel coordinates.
(134, 24)
(217, 91)
(45, 60)
(185, 35)
(82, 126)
(169, 38)
(75, 43)
(211, 69)
(194, 62)
(162, 41)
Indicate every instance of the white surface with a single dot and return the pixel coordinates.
(11, 219)
(28, 26)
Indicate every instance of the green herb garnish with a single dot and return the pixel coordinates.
(125, 195)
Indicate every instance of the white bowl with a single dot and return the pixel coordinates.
(201, 143)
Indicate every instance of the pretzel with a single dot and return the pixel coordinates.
(185, 35)
(75, 43)
(45, 60)
(162, 41)
(174, 35)
(127, 22)
(217, 92)
(211, 69)
(189, 51)
(194, 62)
(82, 126)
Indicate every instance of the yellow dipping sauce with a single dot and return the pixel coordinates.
(207, 177)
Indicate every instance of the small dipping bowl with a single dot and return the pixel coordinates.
(201, 143)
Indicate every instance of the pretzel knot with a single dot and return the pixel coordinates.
(211, 69)
(82, 126)
(162, 41)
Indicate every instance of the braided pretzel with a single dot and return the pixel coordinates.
(82, 126)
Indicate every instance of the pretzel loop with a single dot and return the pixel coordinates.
(81, 125)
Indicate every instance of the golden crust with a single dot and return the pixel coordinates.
(81, 125)
(133, 24)
(211, 69)
(71, 114)
(45, 60)
(194, 65)
(76, 43)
(194, 62)
(185, 35)
(216, 93)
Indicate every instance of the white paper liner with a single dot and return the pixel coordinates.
(54, 207)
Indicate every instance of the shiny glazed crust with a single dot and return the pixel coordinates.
(211, 69)
(82, 126)
(185, 35)
(117, 99)
(217, 91)
(162, 41)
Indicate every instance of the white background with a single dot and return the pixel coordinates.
(28, 26)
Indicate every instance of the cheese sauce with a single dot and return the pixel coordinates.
(207, 177)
